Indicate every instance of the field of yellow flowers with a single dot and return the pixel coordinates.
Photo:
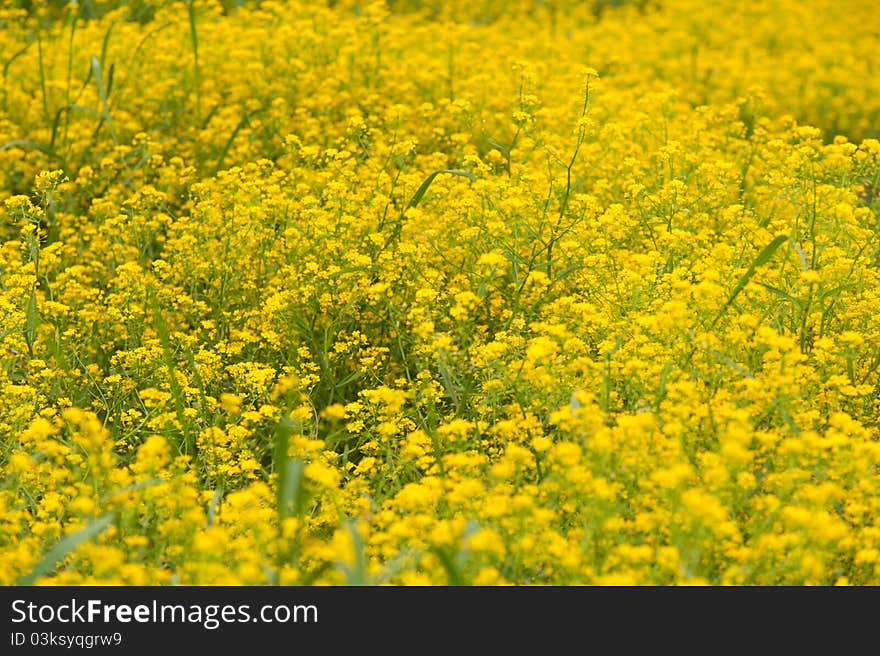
(457, 292)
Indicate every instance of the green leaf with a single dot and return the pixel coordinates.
(780, 293)
(25, 143)
(17, 54)
(763, 257)
(290, 494)
(67, 544)
(32, 322)
(420, 192)
(102, 94)
(188, 447)
(356, 573)
(453, 575)
(245, 120)
(212, 508)
(105, 44)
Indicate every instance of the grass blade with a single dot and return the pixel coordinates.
(195, 46)
(763, 257)
(67, 544)
(105, 44)
(32, 322)
(356, 573)
(25, 143)
(188, 447)
(289, 495)
(42, 77)
(212, 508)
(781, 294)
(96, 72)
(420, 192)
(18, 53)
(245, 120)
(453, 575)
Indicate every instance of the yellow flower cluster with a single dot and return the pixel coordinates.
(440, 293)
